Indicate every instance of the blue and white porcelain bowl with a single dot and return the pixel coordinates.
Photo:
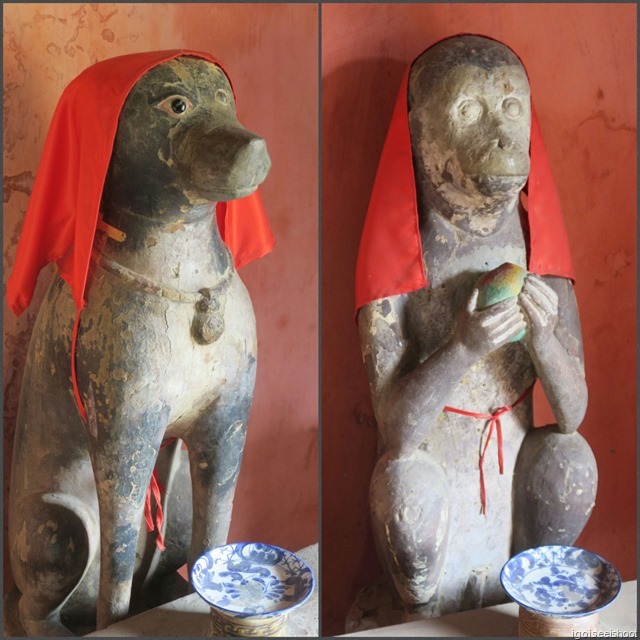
(560, 581)
(251, 587)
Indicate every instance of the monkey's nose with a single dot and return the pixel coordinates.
(503, 142)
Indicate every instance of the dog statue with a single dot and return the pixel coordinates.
(165, 349)
(450, 501)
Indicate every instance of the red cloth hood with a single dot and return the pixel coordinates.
(62, 214)
(390, 257)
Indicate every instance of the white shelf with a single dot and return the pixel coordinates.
(502, 621)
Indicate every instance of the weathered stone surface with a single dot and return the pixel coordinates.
(469, 116)
(166, 348)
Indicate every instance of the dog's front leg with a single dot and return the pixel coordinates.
(215, 444)
(123, 455)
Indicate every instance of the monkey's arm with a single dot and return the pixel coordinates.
(554, 342)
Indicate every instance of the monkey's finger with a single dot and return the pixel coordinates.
(498, 312)
(508, 321)
(473, 299)
(535, 315)
(542, 293)
(509, 332)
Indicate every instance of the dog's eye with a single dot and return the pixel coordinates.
(176, 106)
(222, 97)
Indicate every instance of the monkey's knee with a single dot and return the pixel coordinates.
(50, 552)
(555, 484)
(409, 500)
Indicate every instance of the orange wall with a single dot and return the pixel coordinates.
(46, 46)
(582, 63)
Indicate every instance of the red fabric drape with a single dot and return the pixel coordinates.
(62, 214)
(245, 229)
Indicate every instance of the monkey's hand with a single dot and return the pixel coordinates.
(481, 331)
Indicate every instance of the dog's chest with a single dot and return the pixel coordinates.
(184, 350)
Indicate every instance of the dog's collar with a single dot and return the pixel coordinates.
(154, 288)
(112, 232)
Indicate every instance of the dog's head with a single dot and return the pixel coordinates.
(179, 144)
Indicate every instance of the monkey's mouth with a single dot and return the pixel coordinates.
(500, 184)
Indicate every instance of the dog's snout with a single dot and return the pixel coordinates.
(252, 152)
(257, 145)
(259, 148)
(228, 163)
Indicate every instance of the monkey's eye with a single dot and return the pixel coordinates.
(222, 97)
(512, 107)
(176, 106)
(469, 111)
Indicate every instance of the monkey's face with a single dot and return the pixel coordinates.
(471, 132)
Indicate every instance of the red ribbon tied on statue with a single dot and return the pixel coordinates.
(494, 424)
(155, 491)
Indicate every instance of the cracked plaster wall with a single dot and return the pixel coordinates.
(581, 59)
(45, 47)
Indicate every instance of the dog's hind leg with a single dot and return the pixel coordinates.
(52, 537)
(215, 444)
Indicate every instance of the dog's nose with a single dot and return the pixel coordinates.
(253, 157)
(228, 163)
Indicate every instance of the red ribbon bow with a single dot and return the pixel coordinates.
(494, 423)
